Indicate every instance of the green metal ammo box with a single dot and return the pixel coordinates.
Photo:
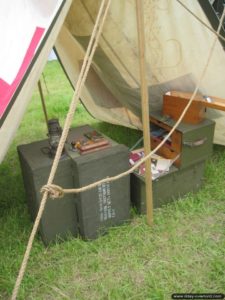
(168, 187)
(59, 217)
(108, 204)
(193, 143)
(90, 213)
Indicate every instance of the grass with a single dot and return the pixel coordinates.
(182, 252)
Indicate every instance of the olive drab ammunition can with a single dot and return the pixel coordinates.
(59, 218)
(191, 145)
(90, 213)
(108, 204)
(170, 186)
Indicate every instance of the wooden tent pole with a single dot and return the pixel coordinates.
(43, 102)
(145, 109)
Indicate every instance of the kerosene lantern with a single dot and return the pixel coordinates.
(54, 134)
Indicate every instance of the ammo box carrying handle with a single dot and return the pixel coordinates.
(195, 143)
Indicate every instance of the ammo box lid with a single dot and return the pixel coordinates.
(34, 153)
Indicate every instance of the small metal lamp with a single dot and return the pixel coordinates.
(54, 134)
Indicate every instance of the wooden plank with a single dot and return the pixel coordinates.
(145, 109)
(216, 103)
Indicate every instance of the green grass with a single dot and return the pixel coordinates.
(182, 252)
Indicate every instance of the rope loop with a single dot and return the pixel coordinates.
(53, 190)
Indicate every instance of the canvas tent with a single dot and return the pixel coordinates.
(176, 47)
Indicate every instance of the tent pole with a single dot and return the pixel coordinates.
(43, 102)
(145, 109)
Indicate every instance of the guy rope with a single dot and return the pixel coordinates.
(93, 43)
(56, 191)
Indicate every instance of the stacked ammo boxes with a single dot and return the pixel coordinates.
(87, 214)
(192, 144)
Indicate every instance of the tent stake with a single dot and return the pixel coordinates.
(43, 102)
(145, 109)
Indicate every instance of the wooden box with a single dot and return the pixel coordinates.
(174, 103)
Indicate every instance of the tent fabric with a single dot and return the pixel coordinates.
(28, 30)
(177, 47)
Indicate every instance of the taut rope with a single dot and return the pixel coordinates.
(104, 7)
(202, 22)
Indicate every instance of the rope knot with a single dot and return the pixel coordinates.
(53, 190)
